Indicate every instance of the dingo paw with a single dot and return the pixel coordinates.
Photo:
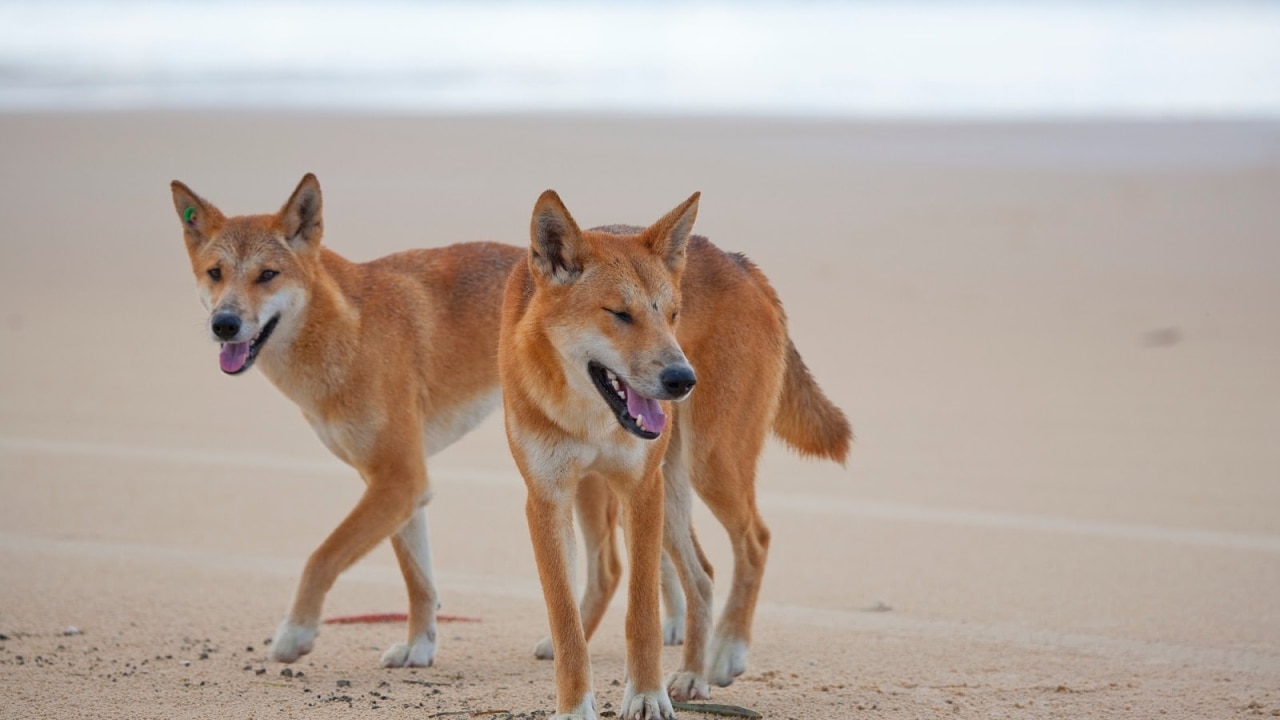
(420, 653)
(648, 705)
(292, 642)
(686, 686)
(544, 650)
(586, 710)
(728, 661)
(673, 631)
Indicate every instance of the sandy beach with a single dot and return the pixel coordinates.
(1059, 345)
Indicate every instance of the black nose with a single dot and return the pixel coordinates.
(225, 326)
(678, 380)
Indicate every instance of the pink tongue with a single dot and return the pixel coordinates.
(646, 409)
(233, 356)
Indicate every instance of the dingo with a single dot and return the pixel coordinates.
(390, 361)
(600, 329)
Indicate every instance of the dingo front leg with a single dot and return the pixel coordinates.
(388, 501)
(597, 512)
(550, 517)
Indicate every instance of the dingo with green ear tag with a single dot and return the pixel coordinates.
(390, 361)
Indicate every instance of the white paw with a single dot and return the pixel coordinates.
(686, 686)
(648, 705)
(673, 630)
(420, 653)
(544, 650)
(586, 709)
(291, 642)
(728, 661)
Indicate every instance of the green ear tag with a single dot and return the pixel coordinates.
(189, 215)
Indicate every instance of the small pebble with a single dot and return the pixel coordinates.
(72, 630)
(184, 663)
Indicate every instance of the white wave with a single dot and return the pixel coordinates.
(940, 58)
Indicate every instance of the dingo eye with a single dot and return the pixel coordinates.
(622, 315)
(267, 275)
(215, 274)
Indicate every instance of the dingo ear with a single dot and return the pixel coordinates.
(199, 218)
(555, 248)
(300, 217)
(670, 236)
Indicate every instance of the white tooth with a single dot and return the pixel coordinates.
(640, 422)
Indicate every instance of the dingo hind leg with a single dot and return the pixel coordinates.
(762, 392)
(731, 416)
(673, 604)
(687, 562)
(413, 552)
(749, 537)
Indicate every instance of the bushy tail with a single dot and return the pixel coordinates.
(806, 420)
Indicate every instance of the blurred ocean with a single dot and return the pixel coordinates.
(926, 59)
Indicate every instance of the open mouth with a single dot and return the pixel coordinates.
(235, 358)
(637, 414)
